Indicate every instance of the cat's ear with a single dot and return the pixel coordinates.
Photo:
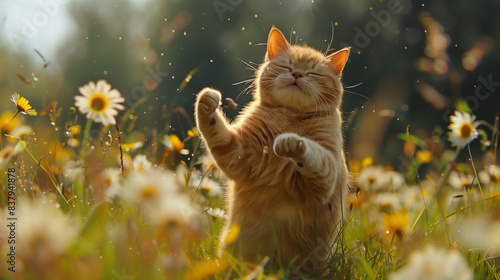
(276, 44)
(338, 60)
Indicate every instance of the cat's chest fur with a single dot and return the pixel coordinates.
(263, 123)
(272, 176)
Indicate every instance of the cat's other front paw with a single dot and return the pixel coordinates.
(208, 100)
(289, 145)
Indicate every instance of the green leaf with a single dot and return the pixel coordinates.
(462, 106)
(93, 231)
(364, 268)
(417, 140)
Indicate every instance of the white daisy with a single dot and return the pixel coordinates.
(99, 102)
(207, 186)
(491, 175)
(463, 129)
(173, 209)
(414, 197)
(8, 152)
(46, 232)
(216, 213)
(434, 263)
(111, 178)
(395, 181)
(73, 171)
(373, 179)
(209, 167)
(21, 131)
(386, 201)
(141, 163)
(460, 181)
(481, 232)
(148, 187)
(158, 194)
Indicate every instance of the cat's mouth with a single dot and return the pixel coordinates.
(295, 86)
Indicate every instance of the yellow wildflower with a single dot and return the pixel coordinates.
(233, 233)
(193, 132)
(23, 105)
(423, 156)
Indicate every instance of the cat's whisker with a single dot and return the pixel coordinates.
(318, 98)
(331, 41)
(244, 82)
(334, 96)
(310, 89)
(246, 90)
(324, 102)
(357, 94)
(315, 98)
(250, 67)
(353, 86)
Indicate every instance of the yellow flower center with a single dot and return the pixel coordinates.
(371, 180)
(108, 181)
(98, 102)
(466, 130)
(148, 192)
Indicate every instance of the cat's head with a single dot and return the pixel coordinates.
(300, 77)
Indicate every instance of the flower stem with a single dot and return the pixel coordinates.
(86, 134)
(15, 115)
(446, 174)
(475, 173)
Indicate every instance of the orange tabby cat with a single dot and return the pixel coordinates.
(283, 155)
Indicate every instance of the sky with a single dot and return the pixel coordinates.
(30, 24)
(39, 24)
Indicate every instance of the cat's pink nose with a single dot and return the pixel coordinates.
(297, 74)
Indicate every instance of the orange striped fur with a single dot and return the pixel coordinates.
(283, 156)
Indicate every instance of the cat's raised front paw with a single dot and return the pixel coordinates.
(289, 145)
(208, 101)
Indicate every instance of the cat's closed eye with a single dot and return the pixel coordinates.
(314, 74)
(284, 67)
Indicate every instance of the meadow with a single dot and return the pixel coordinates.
(79, 203)
(102, 183)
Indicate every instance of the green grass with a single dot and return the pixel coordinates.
(122, 238)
